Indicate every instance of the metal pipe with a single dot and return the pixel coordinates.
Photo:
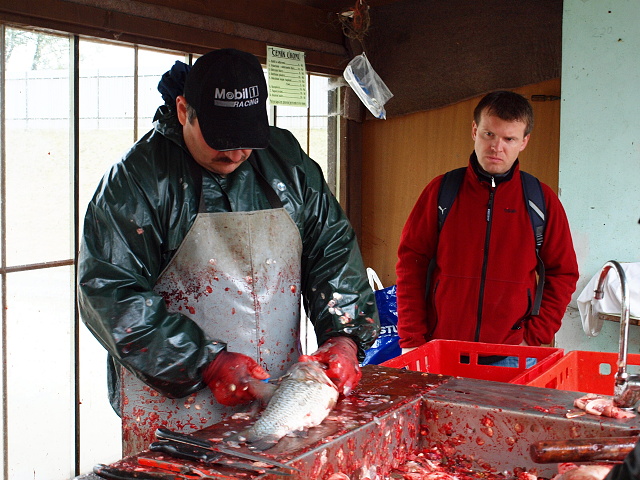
(627, 387)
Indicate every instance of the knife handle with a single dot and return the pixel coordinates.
(185, 452)
(114, 473)
(166, 434)
(582, 449)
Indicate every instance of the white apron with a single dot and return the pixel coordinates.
(237, 275)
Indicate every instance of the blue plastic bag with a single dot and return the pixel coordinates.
(386, 345)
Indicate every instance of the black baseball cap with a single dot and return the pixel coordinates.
(228, 91)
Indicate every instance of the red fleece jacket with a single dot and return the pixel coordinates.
(484, 281)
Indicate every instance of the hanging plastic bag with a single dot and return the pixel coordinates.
(367, 85)
(386, 345)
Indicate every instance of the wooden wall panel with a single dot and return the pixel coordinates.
(434, 53)
(401, 155)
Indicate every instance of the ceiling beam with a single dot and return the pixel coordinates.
(277, 15)
(192, 27)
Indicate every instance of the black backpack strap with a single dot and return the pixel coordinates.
(447, 193)
(534, 199)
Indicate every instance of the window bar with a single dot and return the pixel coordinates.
(75, 145)
(308, 114)
(36, 266)
(332, 141)
(3, 259)
(135, 93)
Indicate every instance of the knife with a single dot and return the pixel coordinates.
(115, 473)
(185, 452)
(596, 449)
(182, 469)
(198, 454)
(166, 434)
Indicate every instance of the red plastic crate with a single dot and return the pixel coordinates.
(582, 371)
(460, 359)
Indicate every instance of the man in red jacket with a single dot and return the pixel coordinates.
(483, 284)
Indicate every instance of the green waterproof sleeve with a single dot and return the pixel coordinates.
(134, 222)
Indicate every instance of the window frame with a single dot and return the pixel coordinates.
(78, 209)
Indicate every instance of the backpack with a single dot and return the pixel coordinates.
(534, 200)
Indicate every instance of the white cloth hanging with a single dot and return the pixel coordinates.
(611, 303)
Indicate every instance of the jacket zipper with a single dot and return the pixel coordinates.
(485, 258)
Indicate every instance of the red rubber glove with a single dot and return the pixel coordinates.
(340, 355)
(232, 378)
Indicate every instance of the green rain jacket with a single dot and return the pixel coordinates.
(137, 219)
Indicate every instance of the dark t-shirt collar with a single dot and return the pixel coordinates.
(483, 176)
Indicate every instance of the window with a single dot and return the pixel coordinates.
(315, 127)
(71, 108)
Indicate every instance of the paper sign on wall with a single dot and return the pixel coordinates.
(287, 76)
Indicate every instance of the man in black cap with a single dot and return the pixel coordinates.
(198, 247)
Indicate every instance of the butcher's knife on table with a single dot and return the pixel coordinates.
(197, 454)
(116, 473)
(166, 434)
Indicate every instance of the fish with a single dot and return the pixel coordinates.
(571, 471)
(600, 405)
(304, 398)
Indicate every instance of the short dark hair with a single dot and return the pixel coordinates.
(191, 113)
(509, 106)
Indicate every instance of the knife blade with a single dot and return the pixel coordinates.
(198, 454)
(166, 434)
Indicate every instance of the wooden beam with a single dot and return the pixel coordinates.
(278, 15)
(352, 167)
(170, 28)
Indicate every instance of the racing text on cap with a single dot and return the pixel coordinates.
(244, 97)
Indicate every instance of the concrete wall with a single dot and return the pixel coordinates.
(600, 148)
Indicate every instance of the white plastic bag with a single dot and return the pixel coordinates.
(367, 85)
